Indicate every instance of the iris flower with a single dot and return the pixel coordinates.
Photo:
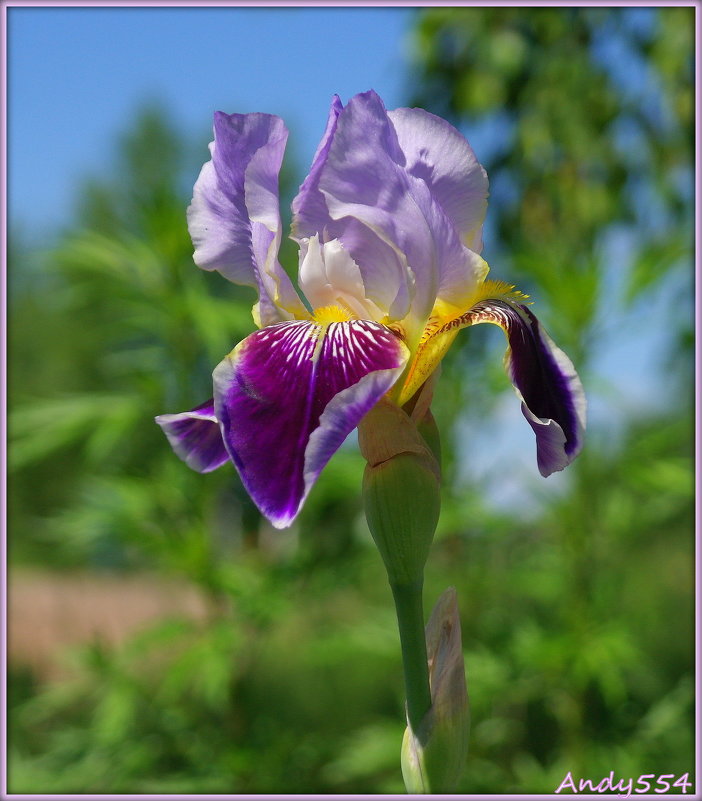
(389, 224)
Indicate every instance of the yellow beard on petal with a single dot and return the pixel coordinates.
(332, 314)
(429, 353)
(445, 321)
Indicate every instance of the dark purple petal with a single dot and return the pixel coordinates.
(553, 401)
(288, 396)
(234, 219)
(195, 437)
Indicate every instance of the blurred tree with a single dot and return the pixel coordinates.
(583, 120)
(586, 120)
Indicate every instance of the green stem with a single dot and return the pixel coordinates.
(410, 618)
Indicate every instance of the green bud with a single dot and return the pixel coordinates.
(434, 755)
(401, 491)
(402, 499)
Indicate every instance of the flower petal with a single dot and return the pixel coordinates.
(234, 218)
(310, 213)
(287, 397)
(441, 157)
(553, 401)
(366, 175)
(387, 281)
(330, 277)
(195, 437)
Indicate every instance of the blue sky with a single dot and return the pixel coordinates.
(77, 75)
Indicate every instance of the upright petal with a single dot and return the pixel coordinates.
(329, 276)
(195, 437)
(439, 155)
(287, 397)
(367, 176)
(387, 280)
(234, 218)
(310, 213)
(553, 401)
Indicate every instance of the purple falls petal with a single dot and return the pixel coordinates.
(195, 437)
(234, 217)
(288, 396)
(553, 401)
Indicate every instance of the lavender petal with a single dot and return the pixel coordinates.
(366, 175)
(439, 155)
(234, 218)
(310, 213)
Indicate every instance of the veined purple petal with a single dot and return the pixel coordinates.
(234, 218)
(195, 437)
(553, 401)
(288, 396)
(439, 155)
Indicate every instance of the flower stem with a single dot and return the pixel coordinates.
(410, 618)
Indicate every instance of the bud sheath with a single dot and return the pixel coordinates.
(401, 491)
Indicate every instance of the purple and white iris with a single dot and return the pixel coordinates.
(389, 224)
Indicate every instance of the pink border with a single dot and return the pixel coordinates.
(3, 406)
(4, 5)
(698, 394)
(337, 4)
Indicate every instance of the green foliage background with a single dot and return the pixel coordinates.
(577, 611)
